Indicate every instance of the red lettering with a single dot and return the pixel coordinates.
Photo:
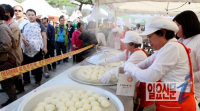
(3, 73)
(158, 90)
(24, 68)
(15, 70)
(42, 62)
(158, 96)
(172, 94)
(35, 64)
(8, 72)
(149, 87)
(29, 66)
(165, 89)
(20, 68)
(165, 97)
(11, 73)
(151, 95)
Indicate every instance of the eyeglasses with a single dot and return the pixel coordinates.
(18, 11)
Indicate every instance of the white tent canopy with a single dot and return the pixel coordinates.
(122, 1)
(75, 14)
(41, 7)
(101, 14)
(10, 2)
(166, 7)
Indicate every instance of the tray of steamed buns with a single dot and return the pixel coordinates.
(91, 74)
(71, 98)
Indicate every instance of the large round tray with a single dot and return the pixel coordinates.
(29, 103)
(106, 53)
(73, 75)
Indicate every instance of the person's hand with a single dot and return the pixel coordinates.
(25, 41)
(129, 67)
(106, 77)
(74, 46)
(127, 73)
(45, 50)
(101, 62)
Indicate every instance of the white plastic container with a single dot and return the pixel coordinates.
(29, 103)
(107, 53)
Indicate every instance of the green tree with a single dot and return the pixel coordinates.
(59, 3)
(84, 2)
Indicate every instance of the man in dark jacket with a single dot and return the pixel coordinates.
(88, 38)
(71, 30)
(50, 42)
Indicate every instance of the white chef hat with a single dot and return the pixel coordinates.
(127, 24)
(132, 36)
(157, 23)
(44, 17)
(115, 30)
(69, 20)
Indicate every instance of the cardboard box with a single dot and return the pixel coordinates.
(126, 84)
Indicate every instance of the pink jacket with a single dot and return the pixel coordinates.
(75, 40)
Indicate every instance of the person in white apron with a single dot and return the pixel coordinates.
(132, 53)
(114, 38)
(189, 33)
(170, 63)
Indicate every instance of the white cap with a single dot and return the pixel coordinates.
(127, 24)
(156, 23)
(132, 36)
(57, 22)
(44, 17)
(70, 20)
(115, 30)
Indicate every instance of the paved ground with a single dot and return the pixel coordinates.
(60, 68)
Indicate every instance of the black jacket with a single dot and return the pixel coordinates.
(51, 34)
(88, 38)
(71, 30)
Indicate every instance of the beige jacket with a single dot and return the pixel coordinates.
(5, 41)
(16, 53)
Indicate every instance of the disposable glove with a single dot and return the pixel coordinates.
(74, 46)
(101, 62)
(106, 77)
(127, 73)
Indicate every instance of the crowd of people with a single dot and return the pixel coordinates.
(29, 39)
(26, 39)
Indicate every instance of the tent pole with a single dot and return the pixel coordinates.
(96, 16)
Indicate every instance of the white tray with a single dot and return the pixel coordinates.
(107, 53)
(29, 103)
(73, 75)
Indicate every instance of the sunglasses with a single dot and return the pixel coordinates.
(18, 11)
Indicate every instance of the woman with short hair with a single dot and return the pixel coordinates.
(77, 43)
(7, 44)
